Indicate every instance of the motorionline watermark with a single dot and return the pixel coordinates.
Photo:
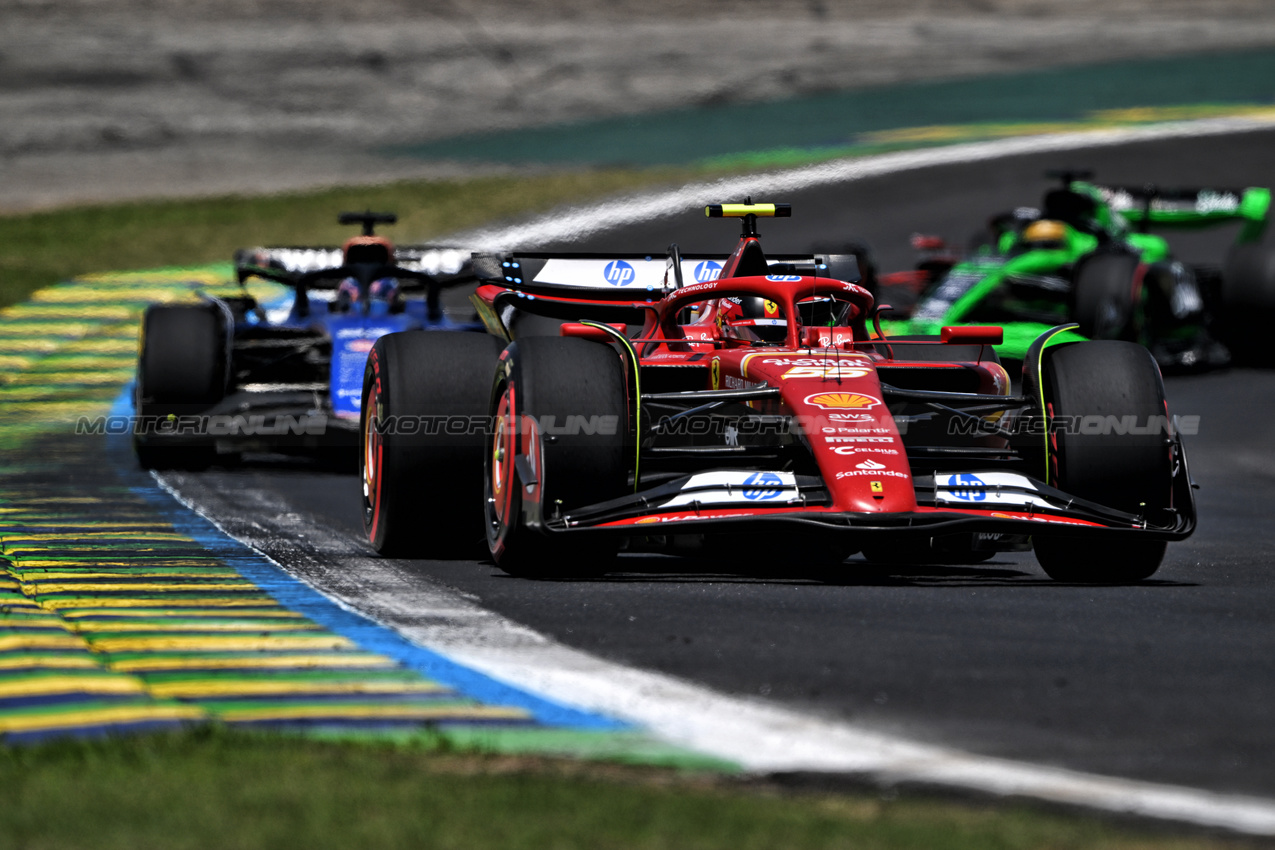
(972, 426)
(1093, 424)
(454, 425)
(571, 425)
(263, 425)
(254, 425)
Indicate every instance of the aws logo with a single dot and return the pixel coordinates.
(842, 401)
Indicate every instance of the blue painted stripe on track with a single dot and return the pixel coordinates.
(39, 700)
(98, 730)
(300, 597)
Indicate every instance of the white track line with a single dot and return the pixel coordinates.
(759, 736)
(580, 222)
(768, 738)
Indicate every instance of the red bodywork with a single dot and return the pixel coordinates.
(832, 382)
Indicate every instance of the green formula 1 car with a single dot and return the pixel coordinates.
(1086, 256)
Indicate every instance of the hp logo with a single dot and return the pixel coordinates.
(761, 486)
(969, 488)
(707, 270)
(619, 273)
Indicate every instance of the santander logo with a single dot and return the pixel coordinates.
(869, 464)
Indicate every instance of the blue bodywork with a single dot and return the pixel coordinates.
(352, 338)
(352, 325)
(299, 361)
(286, 375)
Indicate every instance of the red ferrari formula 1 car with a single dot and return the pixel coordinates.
(649, 401)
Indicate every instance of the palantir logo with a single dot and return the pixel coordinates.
(968, 487)
(619, 273)
(761, 486)
(708, 270)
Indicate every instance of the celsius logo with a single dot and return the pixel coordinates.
(707, 270)
(618, 273)
(761, 486)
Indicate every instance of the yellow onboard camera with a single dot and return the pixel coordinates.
(741, 210)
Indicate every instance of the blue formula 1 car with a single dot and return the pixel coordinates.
(230, 375)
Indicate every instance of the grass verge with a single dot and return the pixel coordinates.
(39, 249)
(213, 788)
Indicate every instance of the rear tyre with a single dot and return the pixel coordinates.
(560, 413)
(423, 429)
(182, 371)
(1248, 300)
(1104, 296)
(1091, 386)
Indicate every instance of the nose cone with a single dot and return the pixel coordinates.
(855, 443)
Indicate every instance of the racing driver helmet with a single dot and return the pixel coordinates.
(763, 318)
(1044, 233)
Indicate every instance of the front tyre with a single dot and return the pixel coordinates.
(1105, 295)
(423, 428)
(559, 408)
(1118, 562)
(1112, 446)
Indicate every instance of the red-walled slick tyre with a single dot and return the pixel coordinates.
(423, 432)
(560, 441)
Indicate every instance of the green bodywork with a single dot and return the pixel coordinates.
(976, 292)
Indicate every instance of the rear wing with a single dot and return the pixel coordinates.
(445, 265)
(634, 277)
(1190, 207)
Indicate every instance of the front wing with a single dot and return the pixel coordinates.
(262, 420)
(949, 503)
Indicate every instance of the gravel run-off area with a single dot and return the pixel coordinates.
(111, 99)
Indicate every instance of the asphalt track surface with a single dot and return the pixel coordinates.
(1171, 680)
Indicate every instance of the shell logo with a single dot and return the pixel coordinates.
(842, 401)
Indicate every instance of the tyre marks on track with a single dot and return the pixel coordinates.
(757, 735)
